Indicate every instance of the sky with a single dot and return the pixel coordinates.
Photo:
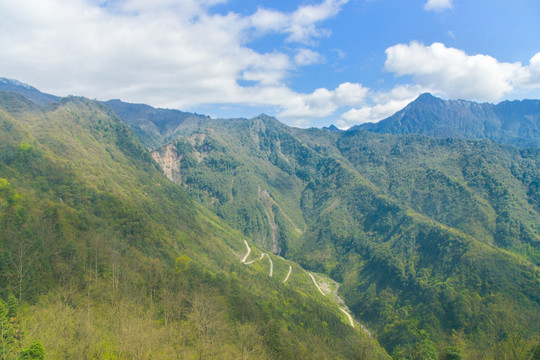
(307, 62)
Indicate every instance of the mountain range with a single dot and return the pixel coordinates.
(432, 234)
(509, 122)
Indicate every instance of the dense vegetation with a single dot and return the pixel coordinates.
(103, 257)
(436, 241)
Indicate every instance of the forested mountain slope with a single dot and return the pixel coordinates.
(109, 259)
(431, 237)
(509, 122)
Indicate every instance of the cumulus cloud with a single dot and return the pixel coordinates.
(307, 57)
(532, 78)
(438, 5)
(380, 105)
(323, 102)
(300, 25)
(172, 53)
(456, 74)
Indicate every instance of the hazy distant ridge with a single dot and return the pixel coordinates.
(509, 122)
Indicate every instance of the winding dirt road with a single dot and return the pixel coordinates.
(252, 261)
(248, 252)
(271, 274)
(348, 315)
(317, 285)
(341, 307)
(288, 274)
(271, 265)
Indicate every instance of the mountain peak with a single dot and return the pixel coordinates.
(12, 82)
(427, 98)
(426, 95)
(514, 123)
(333, 128)
(263, 116)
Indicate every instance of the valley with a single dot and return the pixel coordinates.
(401, 221)
(123, 264)
(432, 243)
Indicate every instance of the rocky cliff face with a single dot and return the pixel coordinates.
(169, 161)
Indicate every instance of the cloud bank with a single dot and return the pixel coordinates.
(172, 53)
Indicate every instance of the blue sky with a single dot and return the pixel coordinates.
(309, 62)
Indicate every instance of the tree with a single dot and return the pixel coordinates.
(5, 330)
(20, 249)
(22, 256)
(36, 351)
(453, 353)
(249, 342)
(12, 306)
(423, 349)
(208, 325)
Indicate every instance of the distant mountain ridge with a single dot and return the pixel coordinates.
(158, 124)
(509, 122)
(27, 91)
(153, 125)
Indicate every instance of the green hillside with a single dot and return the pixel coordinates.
(102, 257)
(436, 241)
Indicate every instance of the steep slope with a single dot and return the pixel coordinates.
(510, 122)
(485, 190)
(153, 126)
(111, 260)
(417, 229)
(236, 168)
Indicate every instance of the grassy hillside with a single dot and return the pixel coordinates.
(102, 257)
(436, 241)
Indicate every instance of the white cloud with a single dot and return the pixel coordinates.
(323, 102)
(307, 57)
(456, 74)
(350, 94)
(532, 79)
(172, 53)
(380, 105)
(300, 25)
(438, 5)
(266, 20)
